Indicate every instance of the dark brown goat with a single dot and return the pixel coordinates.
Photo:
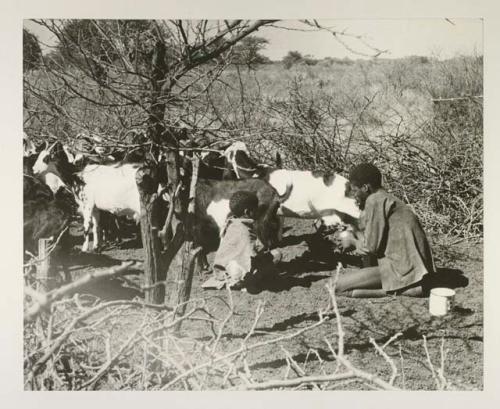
(46, 215)
(212, 210)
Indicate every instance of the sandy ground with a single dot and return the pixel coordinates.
(294, 295)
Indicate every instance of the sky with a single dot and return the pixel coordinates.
(400, 37)
(435, 37)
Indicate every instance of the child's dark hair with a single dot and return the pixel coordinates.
(366, 173)
(241, 201)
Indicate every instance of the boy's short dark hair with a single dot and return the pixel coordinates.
(366, 173)
(241, 201)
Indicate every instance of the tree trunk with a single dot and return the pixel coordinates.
(183, 267)
(154, 270)
(155, 263)
(185, 259)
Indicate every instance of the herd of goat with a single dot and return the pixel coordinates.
(60, 182)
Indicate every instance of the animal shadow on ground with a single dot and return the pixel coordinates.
(106, 289)
(301, 358)
(287, 324)
(321, 249)
(314, 240)
(290, 240)
(293, 322)
(309, 262)
(111, 290)
(277, 282)
(94, 260)
(320, 257)
(411, 333)
(415, 333)
(132, 243)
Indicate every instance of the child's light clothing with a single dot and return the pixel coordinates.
(233, 260)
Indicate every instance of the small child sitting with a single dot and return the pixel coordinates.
(238, 251)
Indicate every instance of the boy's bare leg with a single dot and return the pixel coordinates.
(364, 279)
(412, 292)
(374, 293)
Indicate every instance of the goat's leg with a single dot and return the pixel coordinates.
(64, 274)
(96, 229)
(117, 230)
(319, 225)
(202, 263)
(281, 221)
(105, 224)
(87, 224)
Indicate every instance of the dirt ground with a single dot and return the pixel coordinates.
(294, 295)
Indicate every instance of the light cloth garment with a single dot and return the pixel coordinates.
(233, 260)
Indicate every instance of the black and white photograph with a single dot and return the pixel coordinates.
(252, 204)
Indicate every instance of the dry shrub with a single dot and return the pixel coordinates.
(429, 149)
(452, 187)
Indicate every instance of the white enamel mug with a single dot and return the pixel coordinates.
(441, 301)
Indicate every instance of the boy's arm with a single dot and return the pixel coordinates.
(359, 243)
(349, 241)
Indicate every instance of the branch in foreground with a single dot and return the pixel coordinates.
(200, 364)
(288, 383)
(43, 301)
(244, 348)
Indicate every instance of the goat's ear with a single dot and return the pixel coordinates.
(279, 162)
(79, 159)
(271, 211)
(69, 155)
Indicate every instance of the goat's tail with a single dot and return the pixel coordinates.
(285, 196)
